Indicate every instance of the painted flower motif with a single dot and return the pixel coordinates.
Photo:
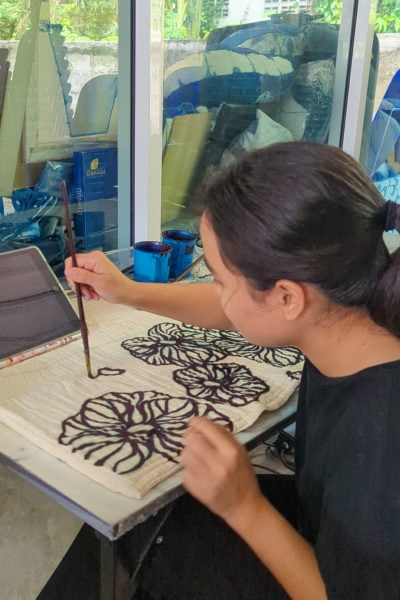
(171, 344)
(221, 383)
(234, 344)
(123, 430)
(295, 375)
(109, 372)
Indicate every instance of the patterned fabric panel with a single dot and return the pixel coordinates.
(124, 428)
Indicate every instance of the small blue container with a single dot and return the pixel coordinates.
(182, 243)
(151, 262)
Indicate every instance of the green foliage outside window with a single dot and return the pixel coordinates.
(14, 18)
(181, 16)
(191, 19)
(96, 20)
(330, 10)
(87, 20)
(387, 18)
(83, 20)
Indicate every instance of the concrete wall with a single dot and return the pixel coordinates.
(86, 60)
(389, 63)
(90, 59)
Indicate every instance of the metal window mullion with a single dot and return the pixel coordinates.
(148, 83)
(126, 99)
(357, 85)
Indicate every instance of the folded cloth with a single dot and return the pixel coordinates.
(124, 428)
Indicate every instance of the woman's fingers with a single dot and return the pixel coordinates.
(215, 466)
(97, 276)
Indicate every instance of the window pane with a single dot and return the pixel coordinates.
(58, 120)
(381, 137)
(240, 75)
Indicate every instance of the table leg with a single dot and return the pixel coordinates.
(122, 559)
(115, 577)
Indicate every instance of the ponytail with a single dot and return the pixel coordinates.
(384, 305)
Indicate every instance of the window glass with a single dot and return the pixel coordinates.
(240, 75)
(381, 137)
(58, 121)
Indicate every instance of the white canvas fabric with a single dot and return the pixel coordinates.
(124, 428)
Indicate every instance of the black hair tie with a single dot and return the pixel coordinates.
(391, 215)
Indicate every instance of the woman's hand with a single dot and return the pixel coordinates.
(98, 277)
(217, 471)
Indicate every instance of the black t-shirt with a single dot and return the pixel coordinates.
(348, 479)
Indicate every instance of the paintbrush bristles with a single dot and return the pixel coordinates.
(88, 367)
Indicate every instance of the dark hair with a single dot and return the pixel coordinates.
(307, 212)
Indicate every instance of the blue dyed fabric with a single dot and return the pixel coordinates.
(216, 76)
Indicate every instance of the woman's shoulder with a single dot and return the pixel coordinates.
(380, 373)
(371, 391)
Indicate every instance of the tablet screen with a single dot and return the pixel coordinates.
(34, 309)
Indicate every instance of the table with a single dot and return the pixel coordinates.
(110, 514)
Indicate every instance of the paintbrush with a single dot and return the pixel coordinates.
(189, 268)
(82, 320)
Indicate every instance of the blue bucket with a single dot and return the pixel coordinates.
(151, 262)
(183, 244)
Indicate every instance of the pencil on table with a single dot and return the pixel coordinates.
(17, 358)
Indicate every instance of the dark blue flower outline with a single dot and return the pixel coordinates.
(185, 345)
(234, 344)
(118, 428)
(222, 383)
(170, 344)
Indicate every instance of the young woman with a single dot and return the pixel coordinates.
(293, 235)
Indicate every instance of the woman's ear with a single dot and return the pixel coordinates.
(291, 297)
